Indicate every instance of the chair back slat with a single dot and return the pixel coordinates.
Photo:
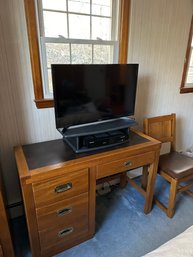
(162, 128)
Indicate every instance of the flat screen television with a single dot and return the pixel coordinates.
(87, 93)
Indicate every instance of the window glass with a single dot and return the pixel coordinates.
(55, 24)
(59, 5)
(101, 28)
(75, 20)
(73, 31)
(57, 53)
(101, 7)
(50, 87)
(81, 53)
(189, 78)
(102, 54)
(79, 6)
(79, 26)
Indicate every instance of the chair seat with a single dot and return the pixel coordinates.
(176, 164)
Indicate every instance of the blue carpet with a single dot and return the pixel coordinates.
(123, 230)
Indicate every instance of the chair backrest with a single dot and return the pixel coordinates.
(162, 128)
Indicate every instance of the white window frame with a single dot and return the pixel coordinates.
(43, 39)
(34, 47)
(187, 87)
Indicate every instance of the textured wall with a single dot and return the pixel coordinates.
(158, 39)
(20, 121)
(159, 31)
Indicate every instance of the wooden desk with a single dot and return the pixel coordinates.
(59, 187)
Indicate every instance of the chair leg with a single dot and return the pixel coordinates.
(172, 198)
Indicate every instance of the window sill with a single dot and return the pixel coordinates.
(184, 90)
(44, 103)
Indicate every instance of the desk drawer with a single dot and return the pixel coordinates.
(125, 164)
(63, 213)
(63, 234)
(60, 188)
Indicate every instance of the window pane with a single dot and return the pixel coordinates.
(101, 28)
(50, 87)
(57, 53)
(189, 79)
(55, 24)
(81, 53)
(81, 6)
(59, 5)
(102, 54)
(79, 26)
(101, 7)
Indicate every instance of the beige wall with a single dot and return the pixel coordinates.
(159, 31)
(158, 38)
(20, 121)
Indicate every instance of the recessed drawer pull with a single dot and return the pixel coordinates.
(63, 188)
(65, 232)
(128, 163)
(64, 211)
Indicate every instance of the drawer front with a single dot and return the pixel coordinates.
(50, 191)
(125, 164)
(63, 234)
(63, 213)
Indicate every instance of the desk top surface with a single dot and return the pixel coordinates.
(57, 151)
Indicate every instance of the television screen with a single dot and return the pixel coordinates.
(86, 93)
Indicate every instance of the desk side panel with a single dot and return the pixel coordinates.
(28, 200)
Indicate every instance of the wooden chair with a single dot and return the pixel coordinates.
(173, 166)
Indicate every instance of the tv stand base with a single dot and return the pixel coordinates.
(98, 141)
(99, 135)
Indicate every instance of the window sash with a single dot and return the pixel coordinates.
(189, 75)
(113, 17)
(187, 87)
(44, 40)
(33, 38)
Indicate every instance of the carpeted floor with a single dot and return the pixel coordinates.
(122, 229)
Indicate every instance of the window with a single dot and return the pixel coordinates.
(187, 77)
(73, 31)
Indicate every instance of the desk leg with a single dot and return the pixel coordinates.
(123, 179)
(92, 200)
(150, 184)
(144, 177)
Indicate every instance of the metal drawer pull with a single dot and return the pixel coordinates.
(64, 211)
(63, 188)
(65, 232)
(128, 163)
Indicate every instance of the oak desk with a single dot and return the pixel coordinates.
(59, 187)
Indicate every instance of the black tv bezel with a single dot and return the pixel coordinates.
(103, 119)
